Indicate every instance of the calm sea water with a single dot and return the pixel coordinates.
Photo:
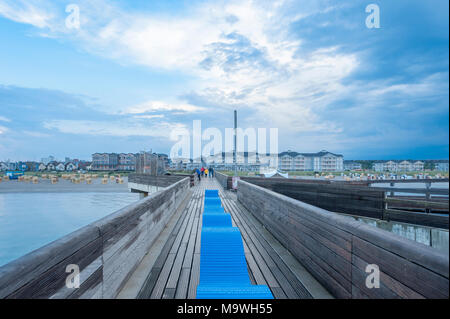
(434, 237)
(29, 221)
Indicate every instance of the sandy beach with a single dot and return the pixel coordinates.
(63, 186)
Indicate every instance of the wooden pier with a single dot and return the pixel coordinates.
(175, 272)
(300, 250)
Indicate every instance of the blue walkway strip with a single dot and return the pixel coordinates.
(213, 210)
(217, 220)
(212, 193)
(223, 268)
(212, 201)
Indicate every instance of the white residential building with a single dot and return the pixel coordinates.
(399, 166)
(351, 166)
(255, 162)
(321, 161)
(70, 167)
(378, 167)
(390, 166)
(3, 166)
(126, 162)
(51, 166)
(245, 161)
(404, 166)
(418, 166)
(441, 166)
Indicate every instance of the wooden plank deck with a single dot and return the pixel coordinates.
(176, 271)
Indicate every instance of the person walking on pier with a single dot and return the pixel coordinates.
(211, 172)
(202, 170)
(206, 172)
(198, 174)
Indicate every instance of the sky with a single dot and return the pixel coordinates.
(135, 72)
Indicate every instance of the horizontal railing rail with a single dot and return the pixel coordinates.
(362, 200)
(422, 204)
(411, 180)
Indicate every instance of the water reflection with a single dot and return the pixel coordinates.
(434, 237)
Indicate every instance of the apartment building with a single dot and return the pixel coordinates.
(245, 161)
(399, 166)
(441, 166)
(352, 166)
(151, 163)
(322, 161)
(418, 166)
(113, 162)
(254, 162)
(126, 162)
(105, 161)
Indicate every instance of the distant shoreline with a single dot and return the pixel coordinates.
(63, 186)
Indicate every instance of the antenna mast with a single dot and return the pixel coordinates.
(235, 142)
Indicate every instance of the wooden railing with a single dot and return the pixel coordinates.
(405, 204)
(159, 180)
(338, 250)
(356, 198)
(418, 204)
(106, 252)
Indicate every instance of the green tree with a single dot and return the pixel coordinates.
(429, 165)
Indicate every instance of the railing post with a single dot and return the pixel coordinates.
(392, 185)
(385, 207)
(428, 196)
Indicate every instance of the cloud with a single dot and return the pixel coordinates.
(28, 12)
(35, 112)
(312, 69)
(157, 106)
(161, 40)
(54, 122)
(240, 54)
(148, 116)
(433, 85)
(233, 53)
(36, 134)
(113, 128)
